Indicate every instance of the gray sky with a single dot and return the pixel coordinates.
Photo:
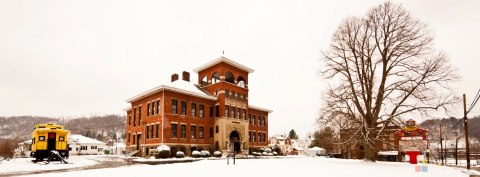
(72, 58)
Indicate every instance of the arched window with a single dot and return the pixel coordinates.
(204, 81)
(229, 77)
(215, 78)
(233, 95)
(241, 82)
(239, 97)
(227, 93)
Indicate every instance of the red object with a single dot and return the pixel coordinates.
(413, 156)
(51, 136)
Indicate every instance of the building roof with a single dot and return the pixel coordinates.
(225, 60)
(179, 86)
(259, 108)
(83, 139)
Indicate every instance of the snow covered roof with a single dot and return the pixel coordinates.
(225, 60)
(83, 139)
(316, 149)
(259, 108)
(179, 86)
(388, 153)
(26, 142)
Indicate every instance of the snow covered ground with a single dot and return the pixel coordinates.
(26, 164)
(307, 166)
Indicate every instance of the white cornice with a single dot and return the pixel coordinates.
(164, 87)
(226, 60)
(259, 108)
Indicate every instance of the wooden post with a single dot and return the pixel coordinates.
(465, 123)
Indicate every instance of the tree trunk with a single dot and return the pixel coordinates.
(370, 148)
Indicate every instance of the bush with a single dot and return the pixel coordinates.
(274, 153)
(268, 150)
(205, 153)
(217, 154)
(264, 153)
(196, 154)
(180, 154)
(277, 150)
(163, 151)
(193, 148)
(270, 154)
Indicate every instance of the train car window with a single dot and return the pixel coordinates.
(61, 138)
(41, 138)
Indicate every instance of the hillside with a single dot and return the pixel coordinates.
(103, 128)
(452, 125)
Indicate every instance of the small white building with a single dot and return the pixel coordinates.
(24, 149)
(315, 151)
(82, 145)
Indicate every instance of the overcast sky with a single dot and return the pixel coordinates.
(78, 58)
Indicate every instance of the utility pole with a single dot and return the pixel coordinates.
(465, 123)
(441, 142)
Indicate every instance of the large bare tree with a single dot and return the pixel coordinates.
(380, 67)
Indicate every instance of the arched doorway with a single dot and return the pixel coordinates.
(235, 141)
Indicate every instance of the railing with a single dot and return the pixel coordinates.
(231, 155)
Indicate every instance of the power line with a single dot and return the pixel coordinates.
(475, 100)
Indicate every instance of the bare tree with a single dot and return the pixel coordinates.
(381, 66)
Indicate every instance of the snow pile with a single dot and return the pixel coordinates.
(26, 164)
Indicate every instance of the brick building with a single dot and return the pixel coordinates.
(387, 146)
(213, 114)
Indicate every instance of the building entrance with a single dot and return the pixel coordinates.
(235, 141)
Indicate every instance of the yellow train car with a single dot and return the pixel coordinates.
(47, 138)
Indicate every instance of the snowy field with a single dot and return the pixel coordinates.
(26, 164)
(291, 167)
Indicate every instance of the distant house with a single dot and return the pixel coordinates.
(24, 149)
(284, 143)
(82, 145)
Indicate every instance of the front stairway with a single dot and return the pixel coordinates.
(130, 154)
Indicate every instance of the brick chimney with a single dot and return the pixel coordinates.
(186, 76)
(174, 77)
